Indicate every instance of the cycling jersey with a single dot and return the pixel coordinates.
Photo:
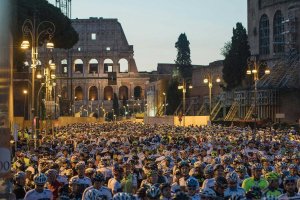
(195, 197)
(238, 192)
(34, 195)
(250, 182)
(272, 193)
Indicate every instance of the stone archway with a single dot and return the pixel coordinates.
(108, 93)
(93, 93)
(78, 93)
(123, 93)
(137, 92)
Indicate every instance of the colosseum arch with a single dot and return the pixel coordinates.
(123, 93)
(93, 66)
(64, 66)
(93, 93)
(108, 65)
(78, 66)
(123, 63)
(78, 94)
(108, 93)
(137, 92)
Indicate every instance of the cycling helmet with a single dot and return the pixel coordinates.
(122, 196)
(288, 179)
(98, 177)
(207, 192)
(153, 192)
(91, 160)
(292, 166)
(228, 170)
(272, 176)
(50, 172)
(40, 179)
(19, 174)
(181, 196)
(240, 168)
(217, 160)
(209, 169)
(257, 166)
(80, 164)
(92, 194)
(192, 183)
(183, 163)
(232, 177)
(218, 166)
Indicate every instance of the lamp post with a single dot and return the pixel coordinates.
(254, 70)
(209, 80)
(183, 87)
(25, 92)
(36, 31)
(165, 103)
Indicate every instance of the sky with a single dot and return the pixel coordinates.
(153, 26)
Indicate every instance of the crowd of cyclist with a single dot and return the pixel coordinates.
(132, 161)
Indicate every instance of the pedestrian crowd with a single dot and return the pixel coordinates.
(134, 161)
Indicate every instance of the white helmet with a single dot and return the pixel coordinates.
(40, 179)
(207, 192)
(153, 192)
(232, 177)
(122, 196)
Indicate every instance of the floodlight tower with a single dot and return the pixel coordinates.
(65, 7)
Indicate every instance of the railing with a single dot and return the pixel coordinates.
(232, 111)
(249, 112)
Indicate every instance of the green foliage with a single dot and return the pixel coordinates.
(235, 63)
(225, 50)
(64, 37)
(183, 59)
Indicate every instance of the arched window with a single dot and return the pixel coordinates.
(137, 92)
(108, 65)
(108, 93)
(64, 66)
(93, 66)
(123, 65)
(264, 35)
(78, 66)
(123, 93)
(278, 29)
(93, 93)
(78, 94)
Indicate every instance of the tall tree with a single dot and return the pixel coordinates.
(183, 71)
(64, 37)
(235, 63)
(183, 59)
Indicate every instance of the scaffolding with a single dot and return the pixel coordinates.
(65, 7)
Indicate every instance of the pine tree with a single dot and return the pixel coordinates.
(183, 60)
(235, 63)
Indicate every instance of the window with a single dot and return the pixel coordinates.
(93, 36)
(278, 36)
(264, 35)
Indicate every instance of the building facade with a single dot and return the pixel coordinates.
(273, 27)
(83, 71)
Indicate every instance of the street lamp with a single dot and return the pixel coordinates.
(183, 87)
(25, 92)
(254, 66)
(209, 80)
(165, 103)
(35, 32)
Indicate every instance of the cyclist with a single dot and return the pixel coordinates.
(234, 190)
(255, 179)
(39, 192)
(273, 189)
